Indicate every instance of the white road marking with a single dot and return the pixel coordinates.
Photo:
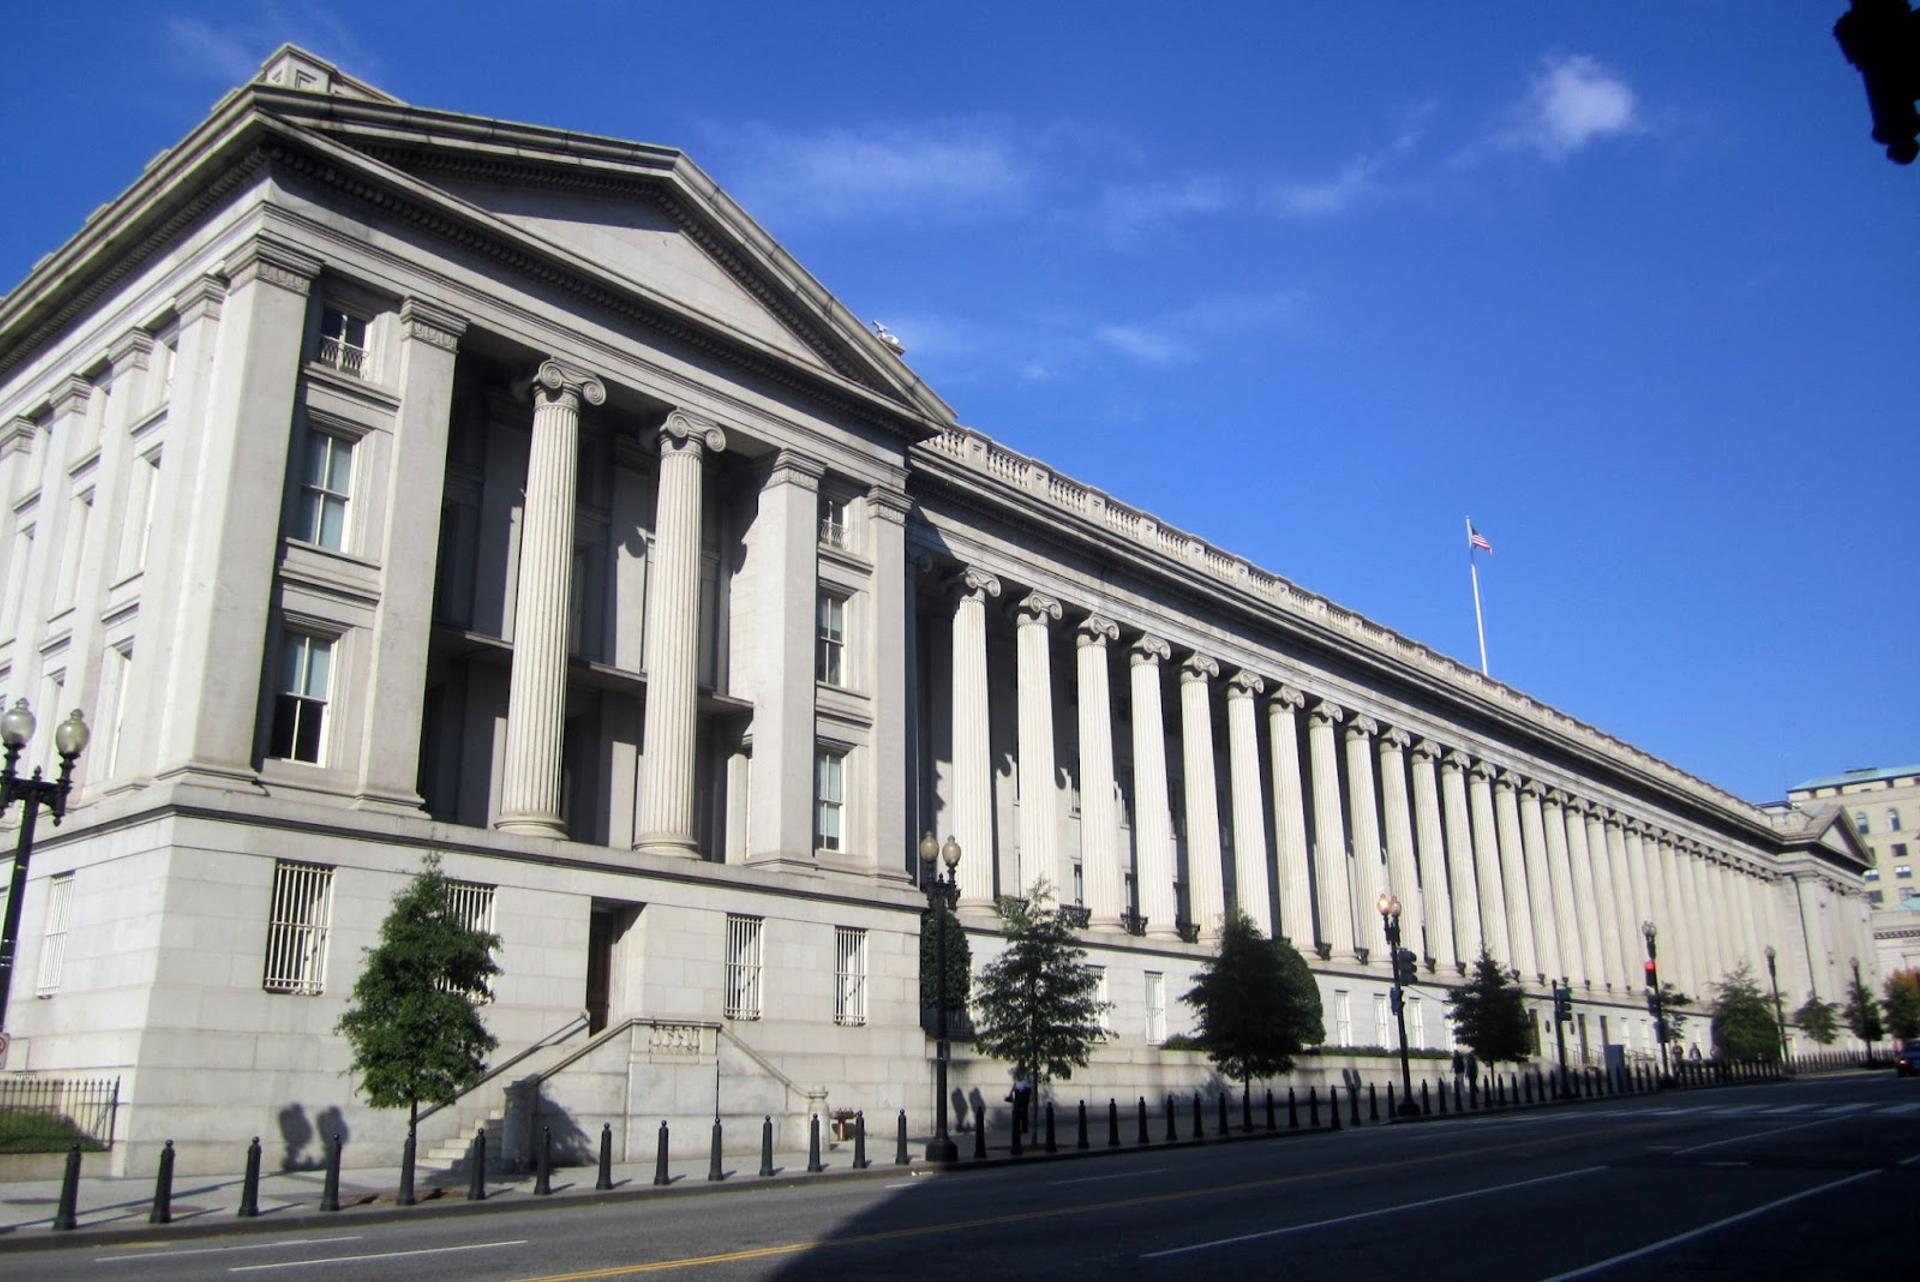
(381, 1255)
(1367, 1215)
(1845, 1108)
(1602, 1265)
(1897, 1110)
(216, 1250)
(1094, 1179)
(1757, 1135)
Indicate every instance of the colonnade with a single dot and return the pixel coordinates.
(1554, 885)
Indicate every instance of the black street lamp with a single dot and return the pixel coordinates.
(1779, 1018)
(69, 740)
(942, 894)
(1656, 1001)
(1402, 973)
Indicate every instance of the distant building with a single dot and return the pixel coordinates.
(1882, 804)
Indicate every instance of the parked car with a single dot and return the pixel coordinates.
(1906, 1056)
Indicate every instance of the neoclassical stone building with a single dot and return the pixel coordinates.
(384, 481)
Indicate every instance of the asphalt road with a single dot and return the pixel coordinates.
(1798, 1179)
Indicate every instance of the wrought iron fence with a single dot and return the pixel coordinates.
(49, 1114)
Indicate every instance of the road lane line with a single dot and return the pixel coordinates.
(1757, 1135)
(1095, 1179)
(1603, 1265)
(1365, 1215)
(1023, 1217)
(379, 1255)
(216, 1250)
(1844, 1108)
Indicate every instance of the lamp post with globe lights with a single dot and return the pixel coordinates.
(1779, 1016)
(17, 725)
(1656, 1000)
(943, 893)
(1403, 974)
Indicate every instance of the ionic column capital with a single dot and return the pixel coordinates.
(1558, 799)
(1396, 739)
(1287, 699)
(1481, 770)
(1532, 788)
(1506, 781)
(1096, 629)
(1456, 760)
(1362, 727)
(1149, 649)
(681, 431)
(1634, 827)
(1327, 713)
(1198, 667)
(1610, 817)
(1036, 609)
(1244, 685)
(1427, 750)
(432, 324)
(971, 584)
(554, 383)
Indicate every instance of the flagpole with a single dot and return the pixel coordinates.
(1479, 620)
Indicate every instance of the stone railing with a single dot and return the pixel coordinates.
(982, 453)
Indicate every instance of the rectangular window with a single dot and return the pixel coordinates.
(471, 904)
(116, 680)
(1903, 870)
(1079, 885)
(18, 563)
(137, 533)
(1156, 1008)
(743, 967)
(1416, 1023)
(1899, 850)
(326, 482)
(830, 638)
(74, 550)
(1342, 1019)
(1382, 1020)
(833, 521)
(300, 704)
(166, 358)
(53, 939)
(849, 975)
(343, 342)
(298, 924)
(829, 796)
(1104, 1018)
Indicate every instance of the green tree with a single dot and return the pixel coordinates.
(1819, 1020)
(1255, 1004)
(959, 962)
(1489, 1013)
(1673, 1004)
(1902, 1003)
(1863, 1013)
(1036, 1000)
(414, 1024)
(1743, 1023)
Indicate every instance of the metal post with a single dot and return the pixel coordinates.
(477, 1164)
(1221, 1100)
(1199, 1120)
(899, 1149)
(1779, 1016)
(941, 1147)
(31, 793)
(1113, 1122)
(543, 1164)
(714, 1172)
(1272, 1124)
(66, 1215)
(860, 1162)
(980, 1130)
(1142, 1113)
(814, 1165)
(1051, 1146)
(1373, 1102)
(605, 1181)
(1353, 1106)
(1081, 1140)
(1333, 1106)
(1173, 1124)
(1293, 1110)
(1313, 1107)
(330, 1189)
(660, 1175)
(250, 1183)
(162, 1212)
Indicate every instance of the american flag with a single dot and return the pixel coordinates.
(1475, 539)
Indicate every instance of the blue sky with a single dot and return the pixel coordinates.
(1629, 283)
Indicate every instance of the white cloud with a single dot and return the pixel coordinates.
(230, 52)
(1145, 344)
(1125, 213)
(199, 48)
(1575, 100)
(1181, 336)
(1357, 178)
(954, 172)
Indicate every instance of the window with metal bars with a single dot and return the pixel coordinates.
(1156, 1008)
(298, 925)
(53, 939)
(471, 903)
(743, 979)
(849, 975)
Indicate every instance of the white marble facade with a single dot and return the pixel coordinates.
(385, 481)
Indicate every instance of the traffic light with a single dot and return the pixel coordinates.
(1563, 1005)
(1398, 1001)
(1653, 1003)
(1652, 972)
(1405, 967)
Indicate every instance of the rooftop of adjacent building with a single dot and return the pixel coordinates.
(1858, 776)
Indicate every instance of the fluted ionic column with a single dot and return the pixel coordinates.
(1206, 894)
(1469, 932)
(1602, 910)
(1152, 818)
(972, 741)
(1329, 834)
(673, 638)
(1039, 853)
(1696, 938)
(1363, 836)
(1575, 957)
(1540, 905)
(1290, 818)
(1102, 858)
(1661, 854)
(1636, 870)
(1641, 854)
(1513, 875)
(1746, 907)
(537, 686)
(1603, 837)
(1249, 811)
(1720, 951)
(1734, 921)
(1402, 878)
(1813, 931)
(1436, 899)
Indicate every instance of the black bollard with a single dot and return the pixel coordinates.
(860, 1162)
(1373, 1103)
(1113, 1122)
(407, 1153)
(1391, 1114)
(814, 1165)
(1442, 1093)
(605, 1181)
(980, 1130)
(1221, 1100)
(250, 1183)
(1293, 1110)
(1473, 1096)
(162, 1212)
(330, 1189)
(1456, 1096)
(1273, 1123)
(543, 1164)
(660, 1176)
(1199, 1120)
(714, 1172)
(1014, 1148)
(67, 1214)
(1426, 1107)
(1143, 1141)
(1526, 1086)
(1313, 1107)
(1080, 1140)
(1052, 1147)
(1246, 1110)
(1353, 1106)
(900, 1157)
(477, 1165)
(1333, 1107)
(1173, 1122)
